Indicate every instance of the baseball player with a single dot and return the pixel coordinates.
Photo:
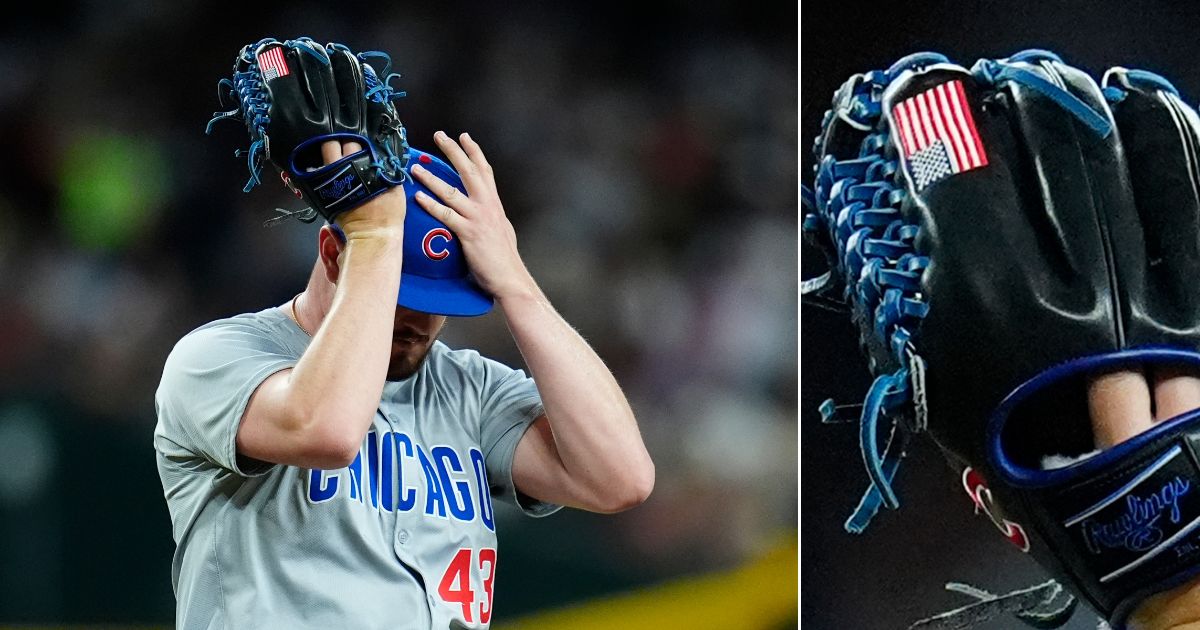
(327, 462)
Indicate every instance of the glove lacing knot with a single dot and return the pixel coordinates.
(395, 158)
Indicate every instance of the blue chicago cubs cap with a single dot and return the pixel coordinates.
(435, 277)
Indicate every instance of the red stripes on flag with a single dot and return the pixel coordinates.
(940, 114)
(272, 63)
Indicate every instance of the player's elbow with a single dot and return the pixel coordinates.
(329, 449)
(630, 491)
(320, 440)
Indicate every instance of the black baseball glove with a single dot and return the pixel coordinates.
(1000, 235)
(295, 95)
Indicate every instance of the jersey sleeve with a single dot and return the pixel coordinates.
(206, 384)
(510, 403)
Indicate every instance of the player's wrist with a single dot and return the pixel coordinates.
(521, 289)
(376, 236)
(380, 217)
(1176, 609)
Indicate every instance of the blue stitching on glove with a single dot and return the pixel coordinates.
(912, 61)
(996, 72)
(1034, 55)
(306, 45)
(1145, 76)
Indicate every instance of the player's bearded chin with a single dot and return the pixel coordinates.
(409, 349)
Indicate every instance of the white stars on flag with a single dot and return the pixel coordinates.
(272, 63)
(937, 133)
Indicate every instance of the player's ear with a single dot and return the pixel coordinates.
(329, 249)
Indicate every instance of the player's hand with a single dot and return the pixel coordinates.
(1122, 405)
(382, 216)
(477, 218)
(1125, 403)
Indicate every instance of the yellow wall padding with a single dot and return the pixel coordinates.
(758, 596)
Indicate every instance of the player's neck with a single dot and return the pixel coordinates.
(313, 303)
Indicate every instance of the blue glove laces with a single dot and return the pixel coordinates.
(395, 158)
(996, 72)
(856, 208)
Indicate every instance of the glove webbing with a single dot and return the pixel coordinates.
(857, 209)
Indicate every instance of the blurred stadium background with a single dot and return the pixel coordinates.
(647, 159)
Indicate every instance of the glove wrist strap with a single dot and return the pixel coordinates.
(1130, 515)
(341, 185)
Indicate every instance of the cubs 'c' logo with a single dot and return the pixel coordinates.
(427, 243)
(981, 496)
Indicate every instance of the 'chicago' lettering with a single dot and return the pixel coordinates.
(399, 473)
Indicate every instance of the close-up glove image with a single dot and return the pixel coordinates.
(1014, 241)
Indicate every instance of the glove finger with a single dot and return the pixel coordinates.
(313, 102)
(1161, 138)
(348, 112)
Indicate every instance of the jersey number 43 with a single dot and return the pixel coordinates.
(455, 586)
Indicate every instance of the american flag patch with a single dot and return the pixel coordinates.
(272, 63)
(937, 132)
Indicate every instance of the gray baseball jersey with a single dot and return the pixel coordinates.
(404, 537)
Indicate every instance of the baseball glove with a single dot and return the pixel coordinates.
(1000, 234)
(295, 95)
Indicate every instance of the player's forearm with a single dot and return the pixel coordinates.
(335, 388)
(595, 431)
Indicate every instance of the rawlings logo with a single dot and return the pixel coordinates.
(337, 188)
(427, 243)
(1137, 529)
(981, 496)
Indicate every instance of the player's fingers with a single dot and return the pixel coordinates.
(445, 191)
(1119, 404)
(440, 211)
(350, 148)
(475, 152)
(1176, 391)
(458, 158)
(331, 151)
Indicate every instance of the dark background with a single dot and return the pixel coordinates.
(645, 155)
(893, 573)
